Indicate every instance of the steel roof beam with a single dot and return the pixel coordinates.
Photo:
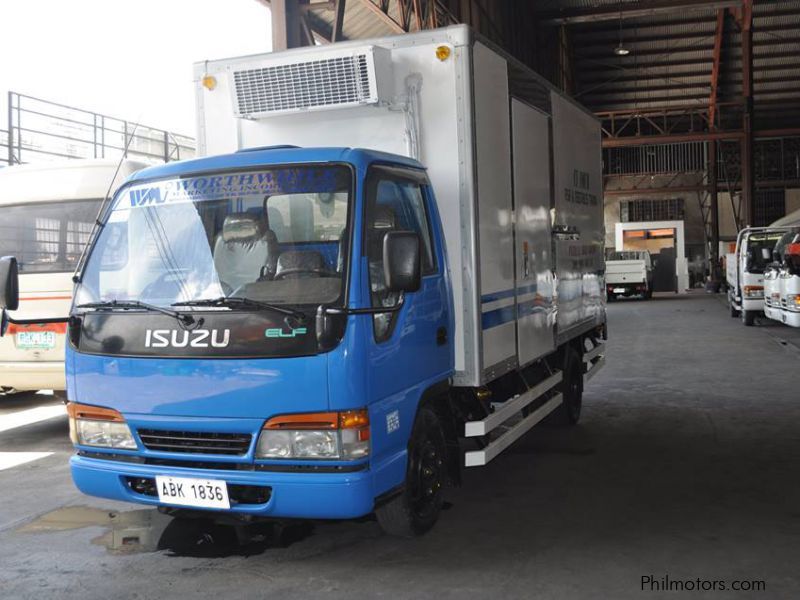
(715, 64)
(645, 74)
(588, 41)
(640, 9)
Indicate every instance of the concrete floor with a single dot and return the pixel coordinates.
(685, 465)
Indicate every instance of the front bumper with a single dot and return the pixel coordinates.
(772, 313)
(32, 375)
(753, 304)
(790, 318)
(293, 495)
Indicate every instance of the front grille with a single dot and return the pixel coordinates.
(238, 494)
(196, 442)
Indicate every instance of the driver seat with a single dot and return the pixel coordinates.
(300, 264)
(245, 251)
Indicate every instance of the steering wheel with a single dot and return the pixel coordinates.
(296, 270)
(163, 286)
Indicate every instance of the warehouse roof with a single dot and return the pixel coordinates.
(670, 43)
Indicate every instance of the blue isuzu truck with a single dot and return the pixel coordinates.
(387, 268)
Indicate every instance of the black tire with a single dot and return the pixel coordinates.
(416, 509)
(734, 312)
(611, 297)
(571, 387)
(749, 318)
(648, 294)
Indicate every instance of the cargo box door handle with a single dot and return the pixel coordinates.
(441, 336)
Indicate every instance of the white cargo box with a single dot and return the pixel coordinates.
(514, 164)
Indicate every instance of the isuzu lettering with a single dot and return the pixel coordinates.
(388, 268)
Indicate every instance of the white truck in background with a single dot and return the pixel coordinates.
(782, 276)
(629, 273)
(48, 211)
(745, 271)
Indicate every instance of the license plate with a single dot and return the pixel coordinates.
(187, 491)
(619, 290)
(36, 339)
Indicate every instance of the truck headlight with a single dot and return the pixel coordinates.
(101, 427)
(330, 435)
(753, 291)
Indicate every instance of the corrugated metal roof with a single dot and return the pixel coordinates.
(671, 50)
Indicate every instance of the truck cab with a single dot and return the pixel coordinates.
(236, 352)
(745, 272)
(782, 281)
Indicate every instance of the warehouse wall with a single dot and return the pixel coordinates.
(727, 226)
(693, 220)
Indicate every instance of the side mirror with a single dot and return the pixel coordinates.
(9, 283)
(401, 261)
(766, 254)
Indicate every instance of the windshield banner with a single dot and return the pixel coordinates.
(203, 188)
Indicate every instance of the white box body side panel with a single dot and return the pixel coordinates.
(578, 188)
(445, 145)
(462, 134)
(536, 311)
(495, 211)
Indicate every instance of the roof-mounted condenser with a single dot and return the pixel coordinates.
(283, 84)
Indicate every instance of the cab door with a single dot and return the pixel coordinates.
(409, 350)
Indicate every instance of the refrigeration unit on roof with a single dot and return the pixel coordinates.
(316, 81)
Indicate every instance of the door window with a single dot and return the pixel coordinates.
(395, 202)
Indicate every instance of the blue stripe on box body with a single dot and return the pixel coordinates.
(506, 314)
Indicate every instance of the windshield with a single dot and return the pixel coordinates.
(274, 235)
(47, 237)
(756, 261)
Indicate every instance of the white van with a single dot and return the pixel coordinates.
(47, 212)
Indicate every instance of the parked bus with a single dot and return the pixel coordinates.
(48, 211)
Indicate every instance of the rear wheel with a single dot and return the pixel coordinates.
(611, 297)
(417, 508)
(749, 318)
(571, 387)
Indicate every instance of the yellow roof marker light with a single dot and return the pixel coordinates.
(209, 82)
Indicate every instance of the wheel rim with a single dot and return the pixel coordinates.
(426, 478)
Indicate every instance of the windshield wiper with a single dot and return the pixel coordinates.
(242, 301)
(123, 304)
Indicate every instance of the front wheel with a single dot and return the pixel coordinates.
(734, 312)
(416, 509)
